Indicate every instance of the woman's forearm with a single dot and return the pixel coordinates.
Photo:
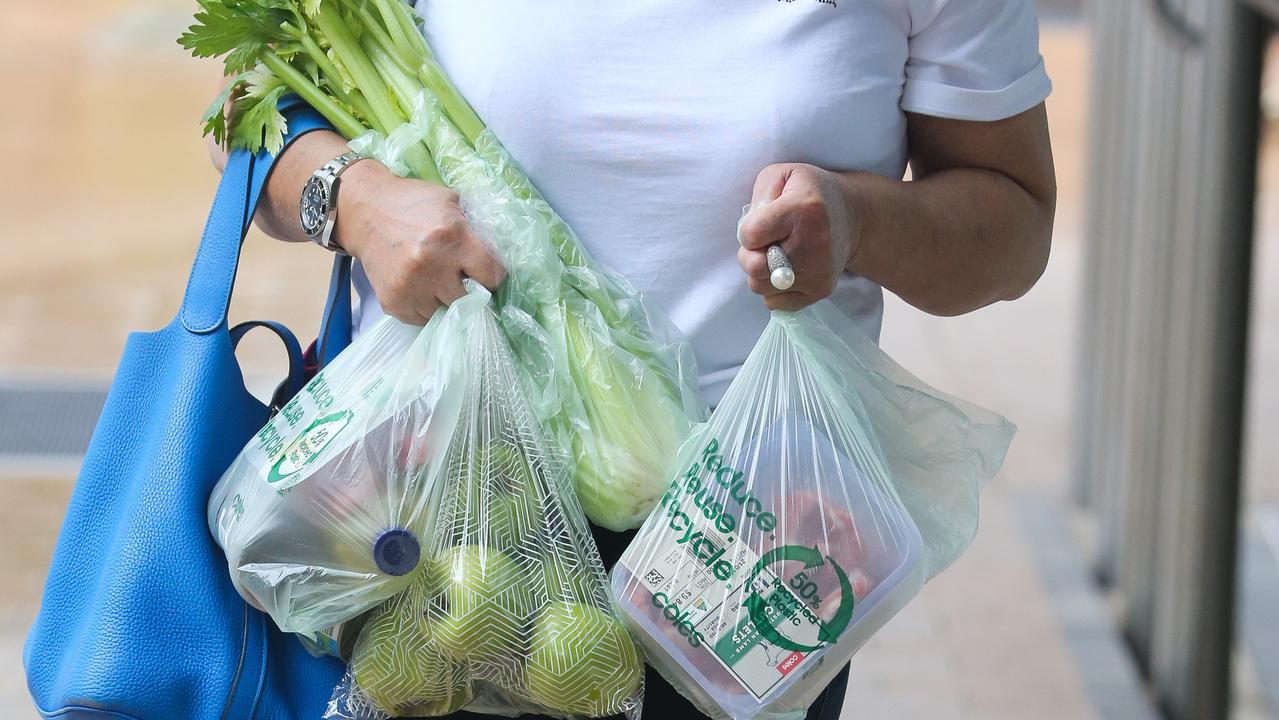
(952, 242)
(277, 212)
(410, 235)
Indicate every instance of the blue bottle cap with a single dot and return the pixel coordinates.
(396, 552)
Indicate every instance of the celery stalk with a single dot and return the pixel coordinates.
(313, 50)
(408, 52)
(362, 71)
(432, 76)
(399, 81)
(372, 26)
(405, 17)
(344, 121)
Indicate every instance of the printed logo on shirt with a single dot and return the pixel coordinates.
(832, 3)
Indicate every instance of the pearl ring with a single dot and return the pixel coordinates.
(781, 274)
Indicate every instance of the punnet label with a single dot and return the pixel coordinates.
(761, 616)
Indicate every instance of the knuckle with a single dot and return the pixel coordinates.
(812, 203)
(438, 235)
(436, 193)
(770, 172)
(446, 232)
(418, 257)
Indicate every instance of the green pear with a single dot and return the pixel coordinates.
(485, 601)
(513, 518)
(582, 661)
(570, 582)
(495, 502)
(399, 666)
(504, 466)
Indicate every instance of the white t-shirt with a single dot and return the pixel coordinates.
(645, 122)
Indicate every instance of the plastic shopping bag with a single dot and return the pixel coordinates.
(511, 612)
(620, 393)
(321, 516)
(826, 488)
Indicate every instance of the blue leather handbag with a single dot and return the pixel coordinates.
(139, 618)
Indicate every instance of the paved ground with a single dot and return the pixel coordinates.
(100, 225)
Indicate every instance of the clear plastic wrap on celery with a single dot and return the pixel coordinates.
(620, 386)
(826, 488)
(512, 612)
(322, 515)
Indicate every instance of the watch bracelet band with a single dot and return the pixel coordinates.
(339, 164)
(332, 171)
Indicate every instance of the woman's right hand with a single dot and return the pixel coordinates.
(412, 239)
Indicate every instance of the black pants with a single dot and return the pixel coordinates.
(663, 701)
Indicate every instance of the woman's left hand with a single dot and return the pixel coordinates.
(806, 210)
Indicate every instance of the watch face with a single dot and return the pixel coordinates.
(314, 207)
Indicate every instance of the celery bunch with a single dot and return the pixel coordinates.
(624, 391)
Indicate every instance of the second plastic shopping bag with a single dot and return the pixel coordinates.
(826, 488)
(510, 611)
(322, 514)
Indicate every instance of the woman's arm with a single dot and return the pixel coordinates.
(411, 236)
(973, 227)
(277, 213)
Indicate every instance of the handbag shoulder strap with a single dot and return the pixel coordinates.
(336, 323)
(208, 292)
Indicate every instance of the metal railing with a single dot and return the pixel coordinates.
(1172, 185)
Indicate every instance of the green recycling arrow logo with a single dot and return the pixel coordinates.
(307, 447)
(827, 632)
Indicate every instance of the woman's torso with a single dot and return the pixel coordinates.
(645, 123)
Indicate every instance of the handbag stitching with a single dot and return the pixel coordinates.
(199, 257)
(82, 709)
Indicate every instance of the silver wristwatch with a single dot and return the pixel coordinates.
(318, 210)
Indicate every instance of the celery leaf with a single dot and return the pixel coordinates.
(214, 117)
(237, 29)
(258, 123)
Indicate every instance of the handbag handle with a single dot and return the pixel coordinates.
(292, 384)
(208, 292)
(336, 325)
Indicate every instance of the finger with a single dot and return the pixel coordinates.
(767, 224)
(480, 263)
(763, 288)
(448, 289)
(410, 315)
(789, 301)
(769, 183)
(754, 263)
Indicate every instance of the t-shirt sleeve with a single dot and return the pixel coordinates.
(974, 59)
